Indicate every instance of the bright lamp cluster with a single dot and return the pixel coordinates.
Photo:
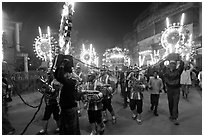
(89, 56)
(45, 46)
(116, 56)
(177, 39)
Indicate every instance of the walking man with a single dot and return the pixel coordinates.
(172, 80)
(186, 81)
(155, 86)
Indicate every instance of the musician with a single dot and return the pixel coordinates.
(107, 91)
(52, 107)
(155, 85)
(137, 84)
(123, 85)
(94, 105)
(81, 80)
(69, 119)
(127, 87)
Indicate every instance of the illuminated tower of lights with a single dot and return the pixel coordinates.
(177, 39)
(45, 46)
(89, 55)
(65, 28)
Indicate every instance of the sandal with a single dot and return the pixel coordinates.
(42, 132)
(139, 121)
(114, 120)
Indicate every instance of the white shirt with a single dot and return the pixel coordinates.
(186, 76)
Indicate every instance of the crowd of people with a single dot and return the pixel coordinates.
(70, 90)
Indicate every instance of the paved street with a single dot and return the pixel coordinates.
(190, 117)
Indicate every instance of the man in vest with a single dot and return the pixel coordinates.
(93, 102)
(107, 92)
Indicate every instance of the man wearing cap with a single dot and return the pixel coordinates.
(171, 76)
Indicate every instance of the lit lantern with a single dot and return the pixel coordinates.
(116, 57)
(177, 39)
(45, 46)
(89, 56)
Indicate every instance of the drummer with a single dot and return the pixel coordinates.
(94, 105)
(107, 96)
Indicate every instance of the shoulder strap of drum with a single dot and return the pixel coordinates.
(80, 74)
(107, 77)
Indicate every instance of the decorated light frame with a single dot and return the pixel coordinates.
(89, 56)
(154, 57)
(116, 53)
(45, 46)
(177, 39)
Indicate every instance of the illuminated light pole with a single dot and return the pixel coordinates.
(182, 19)
(48, 33)
(65, 28)
(40, 32)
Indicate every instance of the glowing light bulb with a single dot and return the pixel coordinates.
(182, 18)
(40, 32)
(167, 22)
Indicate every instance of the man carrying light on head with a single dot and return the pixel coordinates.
(172, 75)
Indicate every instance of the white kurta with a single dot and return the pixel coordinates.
(186, 77)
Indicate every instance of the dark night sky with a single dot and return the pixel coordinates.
(102, 23)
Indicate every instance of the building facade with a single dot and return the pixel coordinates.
(13, 59)
(149, 25)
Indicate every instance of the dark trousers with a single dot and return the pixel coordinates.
(127, 95)
(107, 105)
(6, 125)
(122, 85)
(136, 104)
(95, 116)
(51, 109)
(154, 99)
(69, 122)
(173, 95)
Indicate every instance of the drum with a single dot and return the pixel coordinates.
(113, 79)
(106, 90)
(92, 95)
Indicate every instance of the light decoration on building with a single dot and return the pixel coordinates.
(154, 57)
(116, 56)
(89, 56)
(45, 46)
(142, 56)
(177, 39)
(66, 27)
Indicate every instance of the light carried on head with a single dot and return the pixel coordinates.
(176, 38)
(45, 46)
(88, 56)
